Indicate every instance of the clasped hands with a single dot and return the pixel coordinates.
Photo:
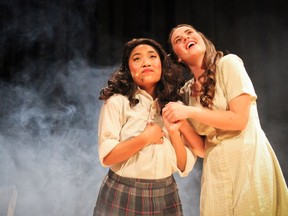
(174, 111)
(154, 133)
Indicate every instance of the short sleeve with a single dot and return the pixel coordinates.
(233, 77)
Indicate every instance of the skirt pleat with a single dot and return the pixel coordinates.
(121, 196)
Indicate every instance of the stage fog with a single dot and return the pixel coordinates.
(52, 70)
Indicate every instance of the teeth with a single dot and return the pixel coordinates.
(190, 44)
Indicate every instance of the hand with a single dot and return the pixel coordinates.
(175, 111)
(153, 133)
(171, 126)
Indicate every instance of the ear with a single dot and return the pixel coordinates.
(179, 60)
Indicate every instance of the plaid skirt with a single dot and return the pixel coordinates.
(121, 196)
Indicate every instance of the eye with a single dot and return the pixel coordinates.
(153, 56)
(177, 40)
(135, 59)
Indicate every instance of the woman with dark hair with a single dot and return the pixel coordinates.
(141, 148)
(241, 173)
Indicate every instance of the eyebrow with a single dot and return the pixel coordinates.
(150, 52)
(184, 32)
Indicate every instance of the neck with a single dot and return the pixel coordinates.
(196, 66)
(151, 91)
(196, 71)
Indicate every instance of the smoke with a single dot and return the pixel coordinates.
(49, 107)
(48, 145)
(49, 150)
(50, 78)
(49, 87)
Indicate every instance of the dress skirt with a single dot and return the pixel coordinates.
(121, 196)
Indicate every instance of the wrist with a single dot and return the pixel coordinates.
(143, 140)
(174, 133)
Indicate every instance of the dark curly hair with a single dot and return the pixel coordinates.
(121, 81)
(207, 79)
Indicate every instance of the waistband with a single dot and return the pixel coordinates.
(142, 183)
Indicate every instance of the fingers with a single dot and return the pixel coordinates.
(167, 112)
(162, 136)
(154, 133)
(172, 110)
(150, 123)
(166, 108)
(169, 116)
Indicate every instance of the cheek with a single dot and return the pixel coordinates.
(177, 50)
(159, 69)
(133, 70)
(134, 73)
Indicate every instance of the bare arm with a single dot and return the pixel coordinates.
(194, 140)
(235, 118)
(180, 150)
(124, 150)
(177, 142)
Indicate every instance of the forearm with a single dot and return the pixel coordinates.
(124, 150)
(194, 140)
(227, 120)
(179, 148)
(235, 118)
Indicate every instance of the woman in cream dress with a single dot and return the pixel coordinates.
(241, 174)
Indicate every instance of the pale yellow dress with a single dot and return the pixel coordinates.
(241, 174)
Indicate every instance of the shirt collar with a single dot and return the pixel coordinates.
(144, 93)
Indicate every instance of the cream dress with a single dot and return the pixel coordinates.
(241, 174)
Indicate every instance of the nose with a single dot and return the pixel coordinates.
(186, 37)
(146, 62)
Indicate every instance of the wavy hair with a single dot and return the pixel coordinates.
(121, 81)
(207, 79)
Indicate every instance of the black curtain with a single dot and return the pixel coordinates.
(56, 56)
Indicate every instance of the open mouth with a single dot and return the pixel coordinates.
(190, 44)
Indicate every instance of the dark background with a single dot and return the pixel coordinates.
(56, 56)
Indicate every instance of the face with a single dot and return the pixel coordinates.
(145, 67)
(187, 44)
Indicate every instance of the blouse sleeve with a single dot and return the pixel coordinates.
(235, 79)
(109, 126)
(191, 160)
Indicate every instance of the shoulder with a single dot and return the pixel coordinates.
(230, 65)
(117, 100)
(230, 59)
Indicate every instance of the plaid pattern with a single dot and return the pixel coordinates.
(120, 196)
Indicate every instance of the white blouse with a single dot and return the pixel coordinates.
(119, 122)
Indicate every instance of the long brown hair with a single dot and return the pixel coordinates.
(121, 81)
(210, 60)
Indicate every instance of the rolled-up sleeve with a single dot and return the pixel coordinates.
(191, 160)
(109, 126)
